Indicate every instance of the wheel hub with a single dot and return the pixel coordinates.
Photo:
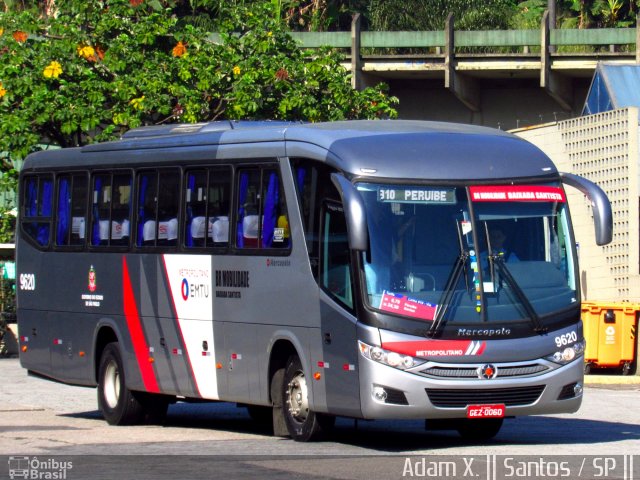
(112, 385)
(297, 399)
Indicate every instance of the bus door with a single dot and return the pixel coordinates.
(329, 253)
(338, 321)
(34, 233)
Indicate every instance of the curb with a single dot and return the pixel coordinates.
(612, 380)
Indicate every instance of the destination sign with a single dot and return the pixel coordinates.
(517, 193)
(417, 195)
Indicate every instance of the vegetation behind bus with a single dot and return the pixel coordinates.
(92, 71)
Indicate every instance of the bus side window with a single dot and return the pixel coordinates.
(38, 199)
(335, 271)
(313, 185)
(111, 209)
(157, 219)
(262, 215)
(207, 202)
(218, 206)
(196, 209)
(71, 210)
(168, 195)
(275, 224)
(248, 227)
(147, 204)
(121, 210)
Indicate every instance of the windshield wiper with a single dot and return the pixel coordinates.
(459, 266)
(498, 261)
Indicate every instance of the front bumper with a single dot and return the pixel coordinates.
(409, 395)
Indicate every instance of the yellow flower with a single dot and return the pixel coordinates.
(137, 103)
(1, 31)
(53, 70)
(87, 52)
(269, 34)
(236, 70)
(3, 91)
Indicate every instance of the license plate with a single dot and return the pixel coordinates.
(485, 411)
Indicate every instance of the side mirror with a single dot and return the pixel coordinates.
(602, 216)
(354, 211)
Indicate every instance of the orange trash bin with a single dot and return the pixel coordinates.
(610, 330)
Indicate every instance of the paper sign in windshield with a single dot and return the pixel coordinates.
(410, 307)
(517, 193)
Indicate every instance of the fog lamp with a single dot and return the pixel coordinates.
(379, 394)
(577, 390)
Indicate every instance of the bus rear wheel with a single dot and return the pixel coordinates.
(479, 429)
(302, 423)
(116, 402)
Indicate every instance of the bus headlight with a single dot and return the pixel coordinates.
(386, 357)
(568, 354)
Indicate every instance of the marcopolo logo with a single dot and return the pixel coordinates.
(35, 468)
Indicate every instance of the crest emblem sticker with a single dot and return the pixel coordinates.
(92, 279)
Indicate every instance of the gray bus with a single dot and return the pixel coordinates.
(365, 269)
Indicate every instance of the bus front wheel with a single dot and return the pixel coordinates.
(116, 402)
(302, 423)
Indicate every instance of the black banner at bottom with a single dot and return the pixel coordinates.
(478, 467)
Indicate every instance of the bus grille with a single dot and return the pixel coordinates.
(471, 372)
(460, 398)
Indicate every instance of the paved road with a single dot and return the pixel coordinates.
(49, 420)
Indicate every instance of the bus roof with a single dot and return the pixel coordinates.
(398, 149)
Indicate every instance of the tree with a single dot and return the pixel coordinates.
(96, 69)
(432, 14)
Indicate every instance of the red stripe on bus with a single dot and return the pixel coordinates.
(175, 312)
(436, 348)
(140, 346)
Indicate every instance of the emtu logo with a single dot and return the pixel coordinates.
(193, 290)
(185, 289)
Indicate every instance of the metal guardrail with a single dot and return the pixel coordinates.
(596, 37)
(463, 38)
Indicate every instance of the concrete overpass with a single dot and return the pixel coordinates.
(504, 79)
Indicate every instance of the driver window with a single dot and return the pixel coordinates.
(335, 271)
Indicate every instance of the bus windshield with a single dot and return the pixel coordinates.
(463, 255)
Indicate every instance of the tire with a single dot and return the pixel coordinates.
(302, 423)
(626, 368)
(479, 429)
(118, 404)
